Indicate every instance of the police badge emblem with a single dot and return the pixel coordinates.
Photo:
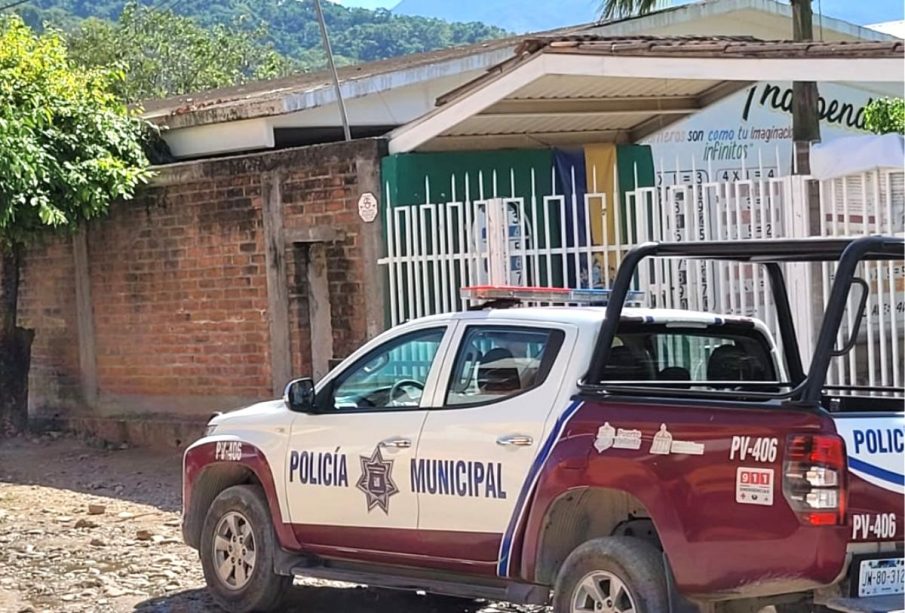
(376, 481)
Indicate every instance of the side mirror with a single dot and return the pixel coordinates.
(299, 395)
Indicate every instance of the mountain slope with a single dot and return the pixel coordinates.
(513, 15)
(357, 35)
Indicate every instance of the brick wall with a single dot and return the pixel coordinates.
(179, 286)
(47, 304)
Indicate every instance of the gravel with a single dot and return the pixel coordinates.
(86, 528)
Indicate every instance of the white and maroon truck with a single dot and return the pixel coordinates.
(592, 458)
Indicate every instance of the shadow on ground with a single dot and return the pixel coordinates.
(310, 599)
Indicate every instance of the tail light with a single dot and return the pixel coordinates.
(814, 478)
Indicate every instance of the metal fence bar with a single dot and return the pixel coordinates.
(435, 247)
(894, 307)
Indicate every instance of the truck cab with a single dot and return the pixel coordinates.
(589, 457)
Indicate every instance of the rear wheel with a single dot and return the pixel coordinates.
(237, 552)
(612, 575)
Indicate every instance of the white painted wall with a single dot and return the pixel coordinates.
(212, 139)
(893, 28)
(392, 107)
(726, 141)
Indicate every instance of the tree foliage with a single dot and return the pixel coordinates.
(361, 34)
(241, 39)
(167, 54)
(885, 116)
(68, 145)
(618, 9)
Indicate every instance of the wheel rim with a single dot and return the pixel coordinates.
(234, 550)
(602, 592)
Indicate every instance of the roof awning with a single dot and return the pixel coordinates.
(576, 89)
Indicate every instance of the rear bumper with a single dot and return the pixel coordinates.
(875, 604)
(839, 597)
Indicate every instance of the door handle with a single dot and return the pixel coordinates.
(396, 443)
(515, 440)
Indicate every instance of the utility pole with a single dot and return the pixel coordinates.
(805, 97)
(339, 96)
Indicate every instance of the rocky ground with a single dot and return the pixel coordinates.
(86, 528)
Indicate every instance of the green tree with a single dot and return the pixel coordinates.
(885, 116)
(68, 147)
(166, 54)
(356, 34)
(805, 118)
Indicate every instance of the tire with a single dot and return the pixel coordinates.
(248, 583)
(615, 560)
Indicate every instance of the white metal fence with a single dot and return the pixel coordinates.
(868, 203)
(554, 240)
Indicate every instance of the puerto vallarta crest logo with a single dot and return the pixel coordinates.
(376, 481)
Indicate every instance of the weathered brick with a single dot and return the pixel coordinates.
(178, 282)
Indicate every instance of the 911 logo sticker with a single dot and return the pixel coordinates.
(754, 486)
(376, 481)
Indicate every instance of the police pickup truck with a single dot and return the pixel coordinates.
(590, 458)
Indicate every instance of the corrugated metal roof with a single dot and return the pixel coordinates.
(565, 86)
(482, 125)
(267, 98)
(610, 110)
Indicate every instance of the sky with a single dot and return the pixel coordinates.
(861, 13)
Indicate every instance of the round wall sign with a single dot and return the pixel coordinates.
(367, 207)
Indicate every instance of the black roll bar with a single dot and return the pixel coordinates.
(847, 251)
(866, 248)
(786, 323)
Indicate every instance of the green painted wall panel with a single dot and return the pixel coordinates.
(405, 175)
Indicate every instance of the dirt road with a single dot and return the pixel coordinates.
(85, 529)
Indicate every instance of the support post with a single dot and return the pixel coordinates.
(497, 228)
(805, 97)
(347, 133)
(800, 282)
(84, 310)
(367, 173)
(320, 316)
(277, 286)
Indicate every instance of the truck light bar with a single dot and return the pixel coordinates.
(560, 295)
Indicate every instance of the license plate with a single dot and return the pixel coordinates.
(881, 576)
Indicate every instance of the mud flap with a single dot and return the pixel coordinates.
(677, 602)
(875, 604)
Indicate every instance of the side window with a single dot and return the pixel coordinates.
(500, 362)
(391, 376)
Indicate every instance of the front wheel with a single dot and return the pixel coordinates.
(237, 552)
(612, 575)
